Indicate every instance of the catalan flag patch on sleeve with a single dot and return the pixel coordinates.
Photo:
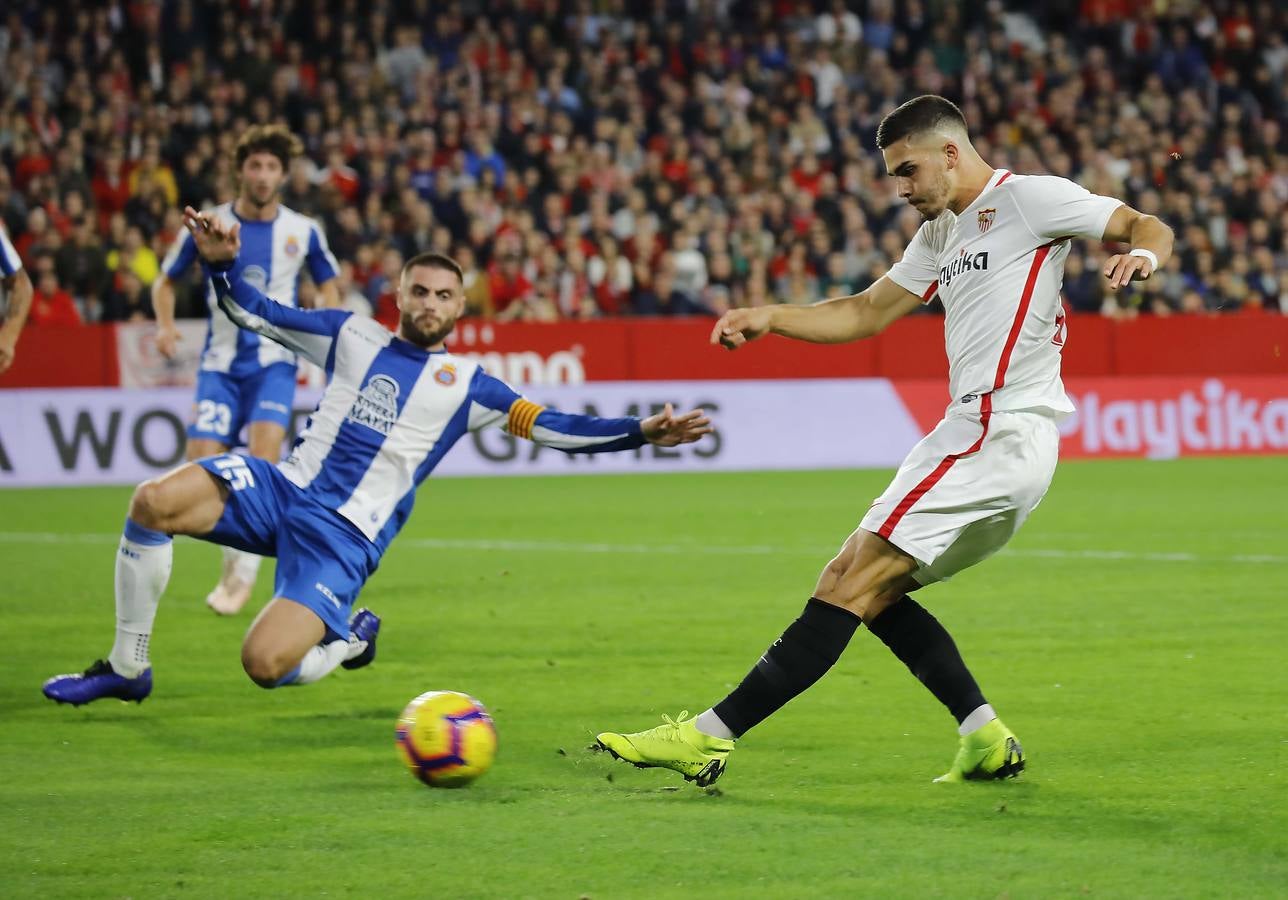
(523, 415)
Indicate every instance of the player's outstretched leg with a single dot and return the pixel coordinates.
(185, 501)
(988, 749)
(866, 574)
(676, 744)
(236, 581)
(287, 645)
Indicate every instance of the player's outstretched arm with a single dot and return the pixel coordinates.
(493, 402)
(1149, 238)
(834, 321)
(310, 333)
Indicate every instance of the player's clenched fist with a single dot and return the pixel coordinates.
(738, 326)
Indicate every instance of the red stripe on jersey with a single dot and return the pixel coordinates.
(910, 499)
(1039, 257)
(930, 292)
(1003, 178)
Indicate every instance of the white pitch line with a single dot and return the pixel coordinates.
(531, 546)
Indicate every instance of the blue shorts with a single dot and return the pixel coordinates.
(322, 559)
(226, 403)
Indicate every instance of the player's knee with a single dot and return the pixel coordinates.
(846, 596)
(147, 506)
(878, 603)
(264, 668)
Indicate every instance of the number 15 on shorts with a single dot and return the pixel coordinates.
(235, 472)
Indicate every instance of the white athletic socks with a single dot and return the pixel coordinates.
(244, 566)
(318, 663)
(711, 725)
(976, 720)
(143, 563)
(322, 659)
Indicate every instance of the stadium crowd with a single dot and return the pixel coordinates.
(608, 157)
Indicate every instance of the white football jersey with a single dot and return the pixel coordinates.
(272, 255)
(391, 410)
(998, 267)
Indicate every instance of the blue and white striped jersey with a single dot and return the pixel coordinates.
(392, 410)
(10, 262)
(272, 254)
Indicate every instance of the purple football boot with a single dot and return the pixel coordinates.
(364, 626)
(97, 682)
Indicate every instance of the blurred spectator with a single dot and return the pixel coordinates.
(351, 299)
(506, 281)
(662, 298)
(382, 289)
(50, 304)
(1082, 285)
(151, 174)
(478, 291)
(81, 263)
(611, 277)
(136, 256)
(653, 149)
(129, 300)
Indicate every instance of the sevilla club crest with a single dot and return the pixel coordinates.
(985, 219)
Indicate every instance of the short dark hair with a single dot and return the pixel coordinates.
(431, 260)
(918, 115)
(274, 139)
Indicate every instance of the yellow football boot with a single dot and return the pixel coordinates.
(675, 744)
(987, 753)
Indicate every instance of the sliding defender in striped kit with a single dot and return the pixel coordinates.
(992, 248)
(393, 406)
(246, 382)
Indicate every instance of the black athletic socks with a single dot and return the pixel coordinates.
(922, 644)
(807, 649)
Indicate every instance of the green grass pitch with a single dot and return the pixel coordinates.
(1134, 635)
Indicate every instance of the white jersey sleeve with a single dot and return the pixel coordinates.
(1057, 208)
(309, 332)
(917, 270)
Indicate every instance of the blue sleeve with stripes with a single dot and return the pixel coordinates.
(10, 262)
(309, 332)
(322, 262)
(181, 255)
(498, 403)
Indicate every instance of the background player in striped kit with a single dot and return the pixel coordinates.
(243, 379)
(394, 405)
(993, 248)
(17, 300)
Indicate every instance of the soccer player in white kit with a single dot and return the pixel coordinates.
(245, 379)
(393, 406)
(992, 248)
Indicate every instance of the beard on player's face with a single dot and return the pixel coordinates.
(425, 328)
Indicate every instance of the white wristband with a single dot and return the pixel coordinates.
(1146, 254)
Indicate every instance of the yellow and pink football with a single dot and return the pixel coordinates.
(446, 738)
